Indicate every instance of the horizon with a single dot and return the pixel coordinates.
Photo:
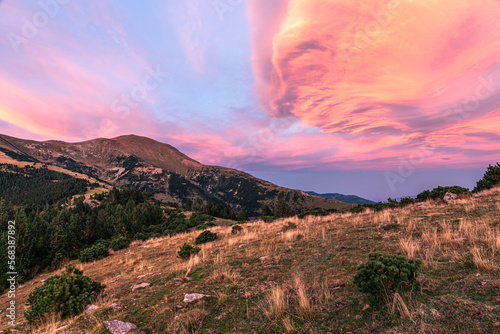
(358, 106)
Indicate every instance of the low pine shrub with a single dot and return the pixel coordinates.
(119, 243)
(187, 250)
(65, 295)
(205, 237)
(268, 219)
(236, 229)
(95, 252)
(490, 178)
(385, 274)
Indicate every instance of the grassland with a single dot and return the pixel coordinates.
(274, 278)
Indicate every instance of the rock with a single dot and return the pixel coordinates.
(191, 297)
(118, 327)
(91, 309)
(141, 276)
(450, 197)
(242, 245)
(114, 306)
(262, 258)
(140, 286)
(61, 329)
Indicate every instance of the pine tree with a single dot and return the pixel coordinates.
(242, 216)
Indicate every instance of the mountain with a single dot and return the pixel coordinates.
(160, 169)
(351, 199)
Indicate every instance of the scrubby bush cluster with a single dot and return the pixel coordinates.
(187, 250)
(93, 253)
(65, 295)
(490, 178)
(316, 213)
(385, 274)
(236, 229)
(439, 192)
(119, 243)
(205, 237)
(436, 193)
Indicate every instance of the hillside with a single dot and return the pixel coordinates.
(160, 169)
(274, 278)
(350, 199)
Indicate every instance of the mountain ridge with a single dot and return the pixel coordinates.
(350, 199)
(161, 169)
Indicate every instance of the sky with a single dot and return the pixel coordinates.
(378, 98)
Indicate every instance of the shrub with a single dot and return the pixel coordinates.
(242, 216)
(186, 251)
(141, 236)
(490, 179)
(289, 226)
(384, 274)
(236, 229)
(319, 212)
(95, 252)
(205, 237)
(66, 295)
(201, 227)
(268, 219)
(119, 243)
(439, 192)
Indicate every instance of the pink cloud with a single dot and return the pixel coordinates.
(384, 77)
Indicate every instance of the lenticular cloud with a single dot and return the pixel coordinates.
(398, 67)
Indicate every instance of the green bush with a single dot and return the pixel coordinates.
(66, 295)
(385, 274)
(201, 227)
(119, 243)
(319, 212)
(187, 250)
(268, 219)
(141, 236)
(490, 179)
(242, 216)
(236, 229)
(95, 252)
(439, 192)
(205, 237)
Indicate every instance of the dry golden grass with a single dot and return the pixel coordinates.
(250, 271)
(277, 303)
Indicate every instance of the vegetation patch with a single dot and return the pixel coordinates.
(205, 237)
(385, 274)
(64, 295)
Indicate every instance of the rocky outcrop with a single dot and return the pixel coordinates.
(118, 327)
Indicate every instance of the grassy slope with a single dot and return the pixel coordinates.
(304, 284)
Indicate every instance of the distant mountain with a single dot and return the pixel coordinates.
(351, 199)
(160, 169)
